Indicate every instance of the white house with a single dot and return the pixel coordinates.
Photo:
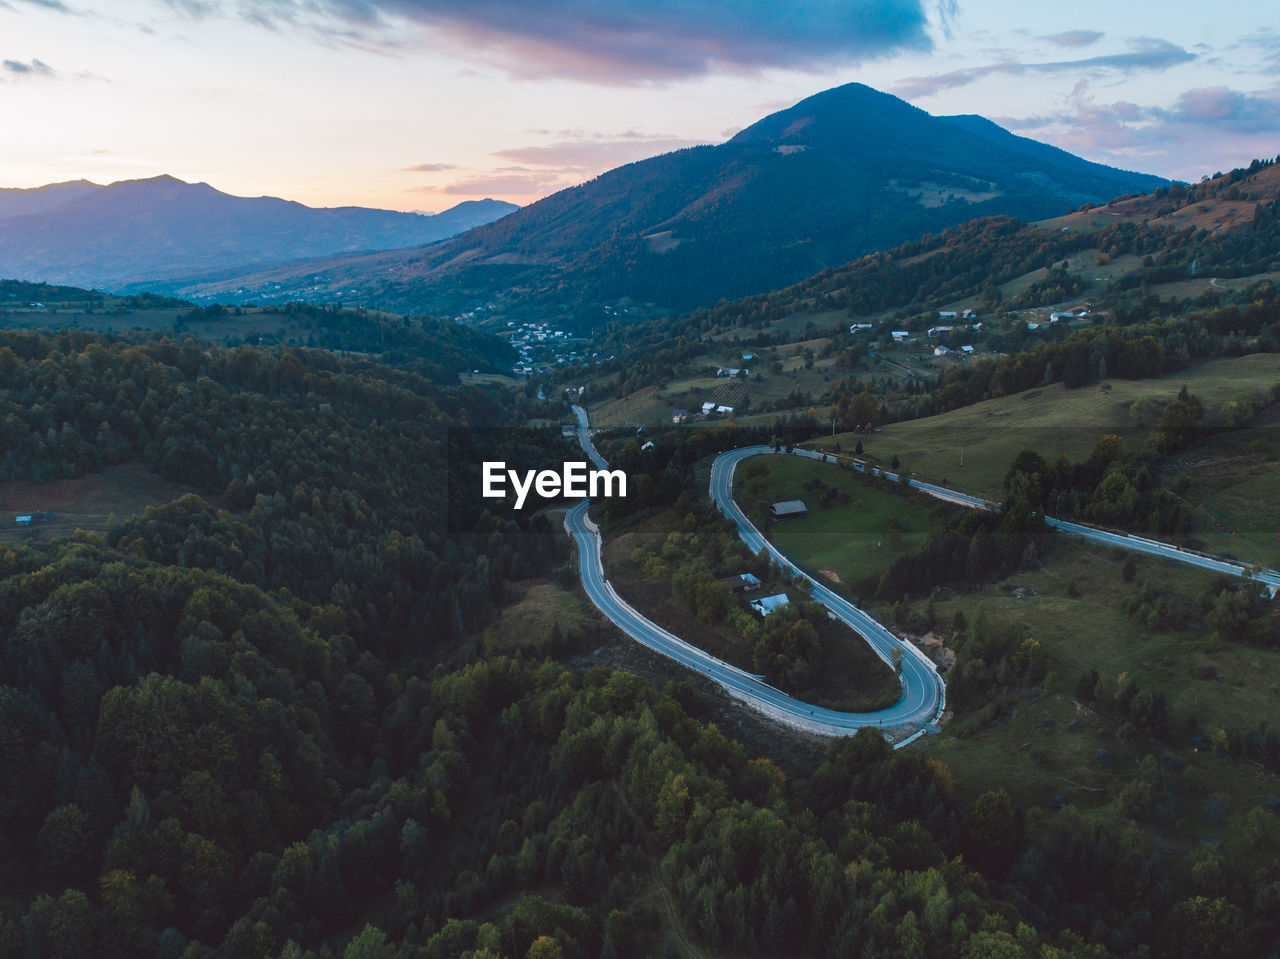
(940, 330)
(859, 327)
(940, 351)
(769, 604)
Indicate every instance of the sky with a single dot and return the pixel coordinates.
(421, 104)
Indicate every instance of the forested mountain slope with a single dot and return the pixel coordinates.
(840, 174)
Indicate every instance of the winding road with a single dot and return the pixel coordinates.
(923, 693)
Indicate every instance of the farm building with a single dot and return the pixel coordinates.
(742, 583)
(770, 604)
(789, 509)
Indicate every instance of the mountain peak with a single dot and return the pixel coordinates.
(834, 114)
(160, 181)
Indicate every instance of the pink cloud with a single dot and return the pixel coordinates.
(1205, 130)
(594, 155)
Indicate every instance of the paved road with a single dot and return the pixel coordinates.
(924, 694)
(922, 697)
(1267, 577)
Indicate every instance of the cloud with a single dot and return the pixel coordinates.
(195, 9)
(47, 4)
(513, 183)
(1265, 41)
(594, 154)
(623, 41)
(1224, 109)
(948, 13)
(1205, 129)
(1074, 38)
(428, 168)
(29, 68)
(1147, 53)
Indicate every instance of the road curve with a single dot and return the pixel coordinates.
(923, 692)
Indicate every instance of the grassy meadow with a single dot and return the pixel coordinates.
(970, 449)
(848, 541)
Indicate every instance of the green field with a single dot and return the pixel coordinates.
(530, 623)
(1091, 629)
(85, 503)
(652, 405)
(844, 543)
(1232, 481)
(1075, 613)
(970, 449)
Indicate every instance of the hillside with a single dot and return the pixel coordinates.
(840, 174)
(135, 232)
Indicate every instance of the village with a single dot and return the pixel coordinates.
(540, 347)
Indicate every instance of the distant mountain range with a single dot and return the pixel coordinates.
(137, 233)
(840, 174)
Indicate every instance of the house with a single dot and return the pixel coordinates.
(935, 331)
(724, 410)
(770, 604)
(1056, 317)
(941, 351)
(647, 446)
(1033, 326)
(24, 520)
(977, 327)
(679, 416)
(789, 509)
(947, 314)
(899, 335)
(708, 407)
(859, 327)
(748, 357)
(742, 583)
(967, 350)
(968, 315)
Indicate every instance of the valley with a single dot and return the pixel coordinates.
(938, 618)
